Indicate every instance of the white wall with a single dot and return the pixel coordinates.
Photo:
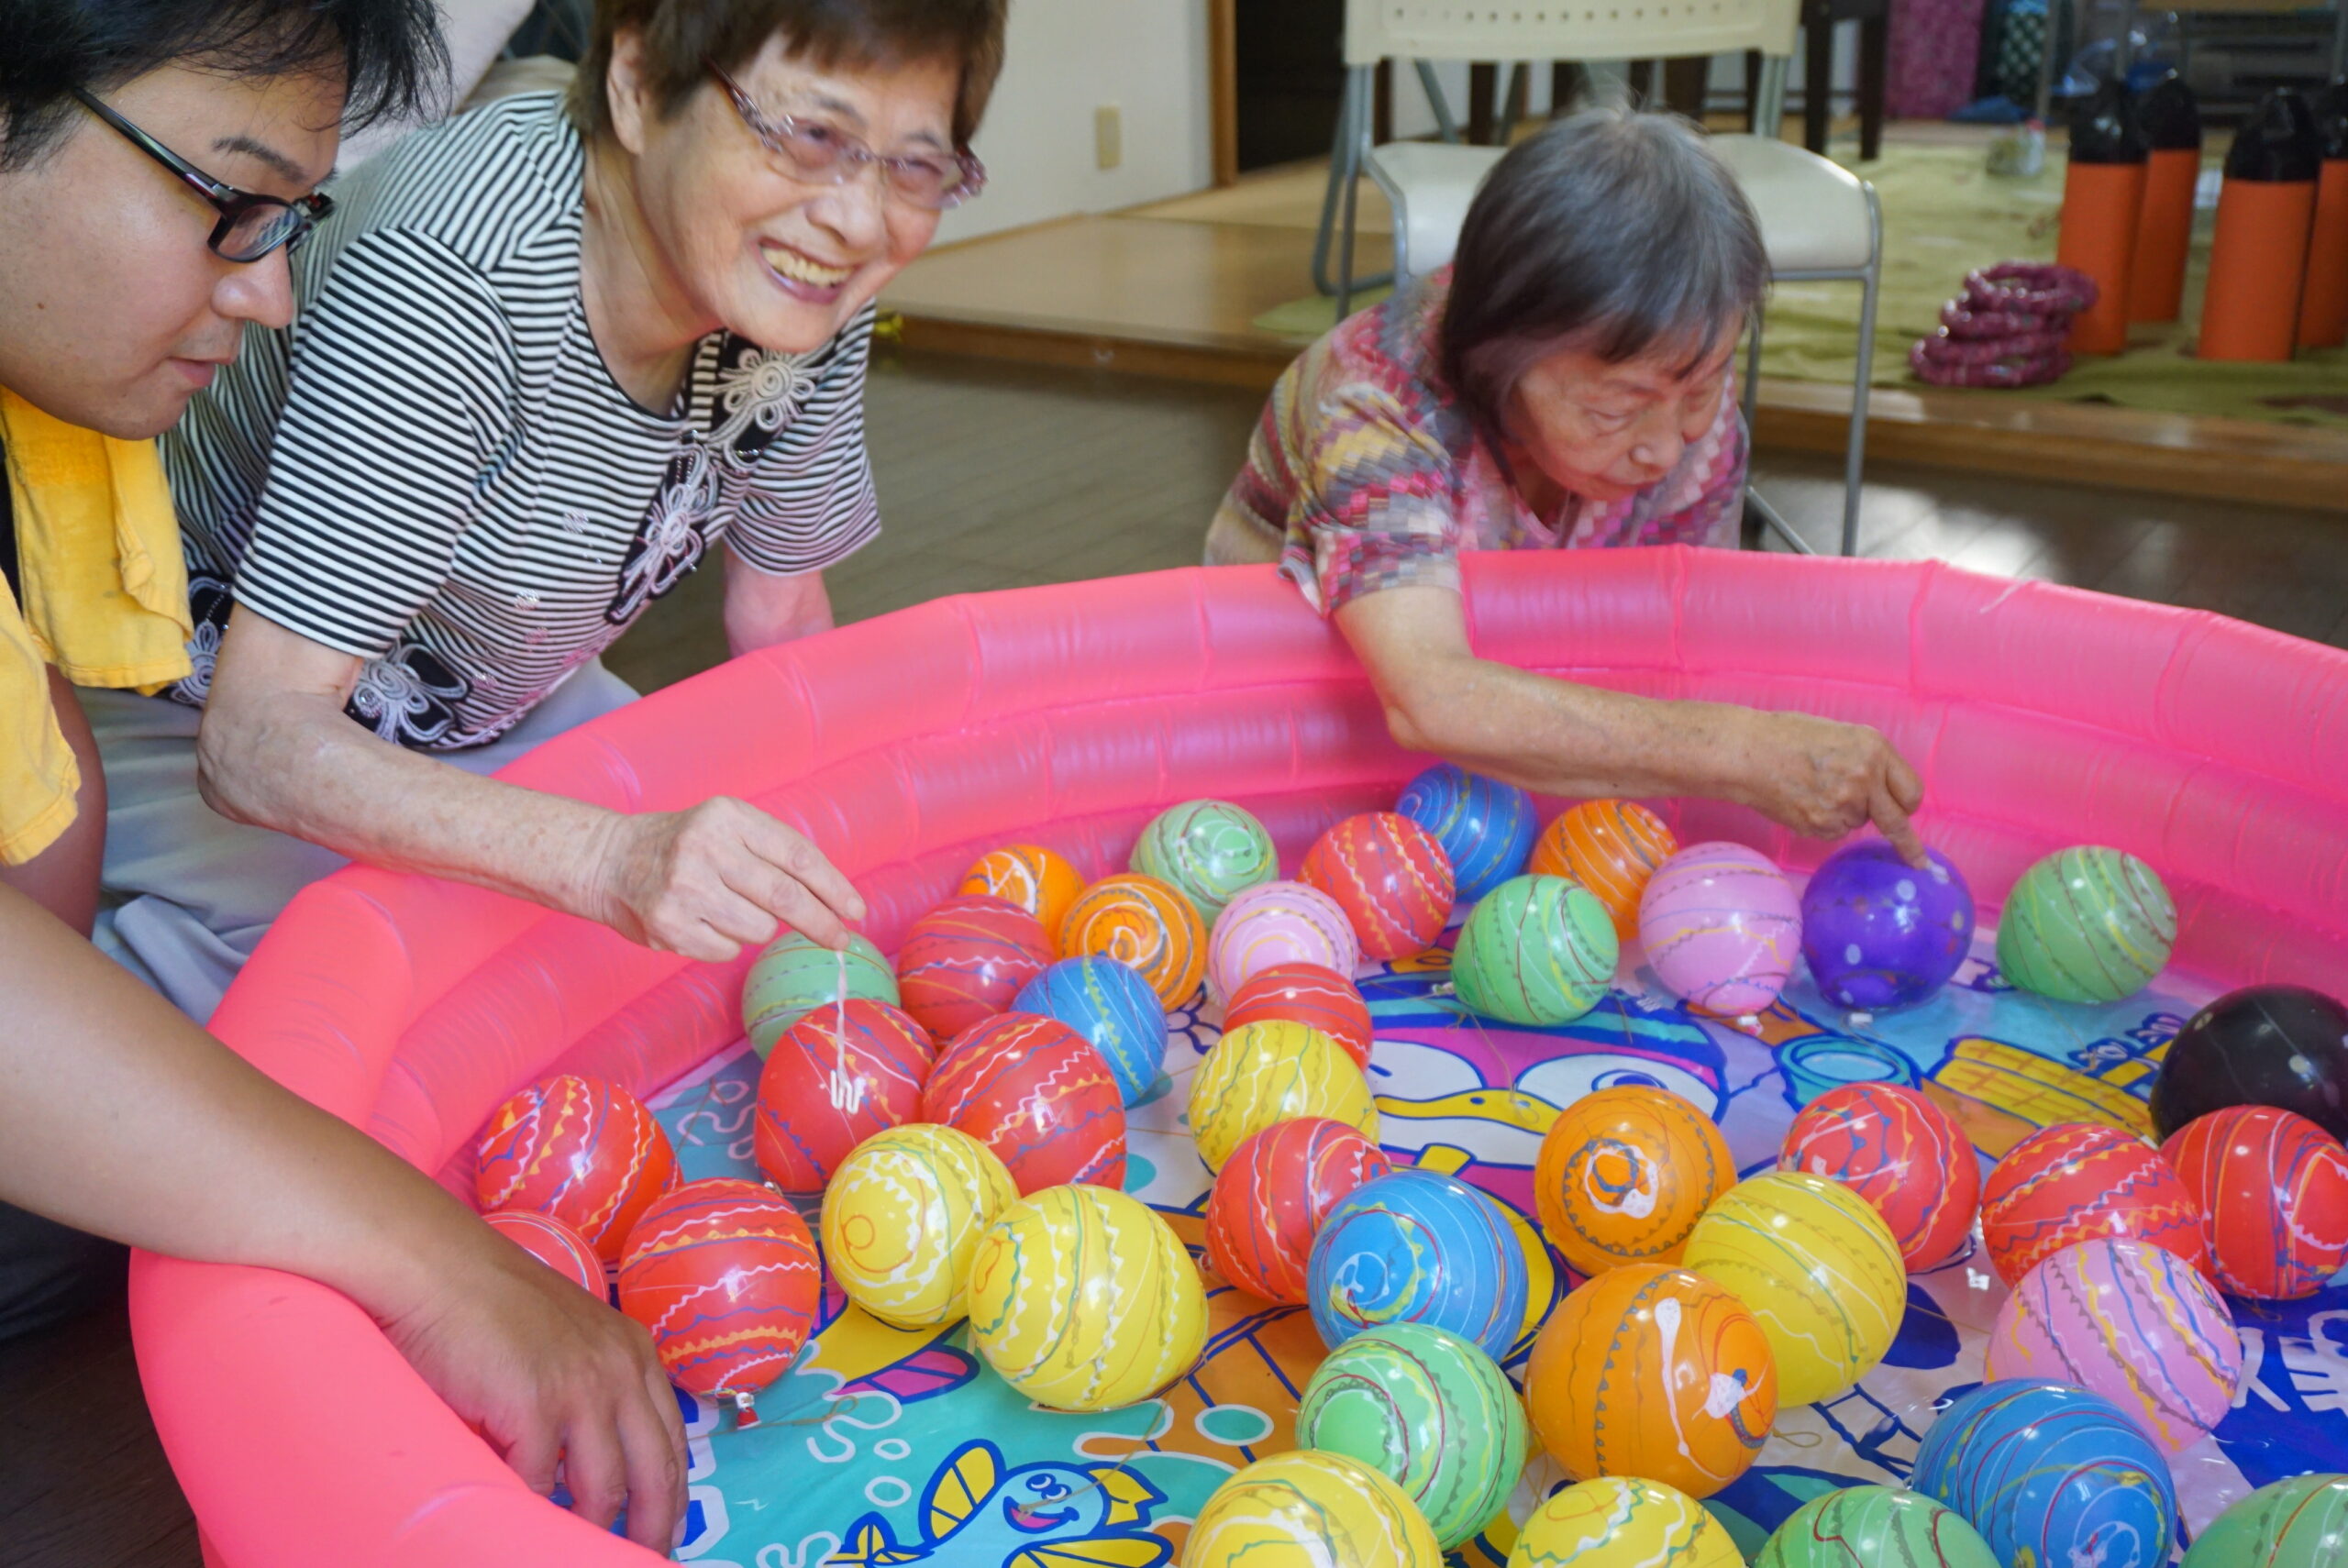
(1065, 59)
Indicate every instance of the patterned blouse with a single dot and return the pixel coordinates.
(1369, 474)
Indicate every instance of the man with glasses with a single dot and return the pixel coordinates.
(156, 160)
(551, 356)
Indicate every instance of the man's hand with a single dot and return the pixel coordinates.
(1825, 779)
(713, 880)
(547, 1372)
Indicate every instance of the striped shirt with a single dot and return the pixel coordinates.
(1366, 472)
(433, 471)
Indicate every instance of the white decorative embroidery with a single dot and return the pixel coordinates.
(208, 604)
(203, 653)
(761, 391)
(404, 706)
(675, 534)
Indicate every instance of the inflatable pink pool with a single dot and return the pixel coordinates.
(2040, 717)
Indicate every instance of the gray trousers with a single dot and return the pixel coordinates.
(187, 894)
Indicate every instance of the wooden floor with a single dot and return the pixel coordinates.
(1173, 289)
(996, 475)
(83, 1479)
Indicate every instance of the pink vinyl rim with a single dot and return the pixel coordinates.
(907, 746)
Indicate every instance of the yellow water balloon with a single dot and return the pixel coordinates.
(1084, 1300)
(1616, 1523)
(1309, 1509)
(1272, 1071)
(1816, 1265)
(902, 1220)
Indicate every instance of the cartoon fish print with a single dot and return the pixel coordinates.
(978, 1515)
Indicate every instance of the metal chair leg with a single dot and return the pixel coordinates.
(1855, 461)
(1445, 128)
(1514, 99)
(1776, 525)
(1345, 263)
(1354, 113)
(1752, 372)
(1769, 109)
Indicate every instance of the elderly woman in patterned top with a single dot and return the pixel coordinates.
(1566, 385)
(549, 357)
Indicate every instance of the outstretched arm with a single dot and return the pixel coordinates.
(1816, 775)
(119, 1117)
(275, 749)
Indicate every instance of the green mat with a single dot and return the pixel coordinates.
(1945, 215)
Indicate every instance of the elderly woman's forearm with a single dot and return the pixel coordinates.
(1559, 738)
(293, 762)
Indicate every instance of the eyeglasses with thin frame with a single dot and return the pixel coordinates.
(816, 151)
(251, 225)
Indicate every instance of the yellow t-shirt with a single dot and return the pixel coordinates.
(102, 595)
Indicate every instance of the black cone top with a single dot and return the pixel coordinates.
(2277, 144)
(2170, 114)
(2106, 129)
(2332, 120)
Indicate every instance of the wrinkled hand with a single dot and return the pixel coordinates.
(719, 878)
(1823, 779)
(547, 1372)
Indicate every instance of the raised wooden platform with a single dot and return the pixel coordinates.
(1173, 290)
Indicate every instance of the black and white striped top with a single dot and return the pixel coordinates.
(433, 471)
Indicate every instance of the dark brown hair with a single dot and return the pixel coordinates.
(1614, 231)
(683, 38)
(388, 53)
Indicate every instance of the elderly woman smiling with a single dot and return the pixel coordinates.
(548, 356)
(1567, 383)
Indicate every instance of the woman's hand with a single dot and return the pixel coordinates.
(547, 1372)
(1557, 737)
(713, 880)
(1824, 778)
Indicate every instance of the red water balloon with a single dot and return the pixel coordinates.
(839, 1075)
(966, 959)
(1309, 993)
(1035, 1092)
(2077, 1180)
(584, 1151)
(1391, 878)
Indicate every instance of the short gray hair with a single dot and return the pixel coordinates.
(1612, 230)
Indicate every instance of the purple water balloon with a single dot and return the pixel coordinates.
(1879, 933)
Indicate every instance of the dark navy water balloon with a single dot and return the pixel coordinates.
(1879, 933)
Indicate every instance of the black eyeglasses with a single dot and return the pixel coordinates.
(814, 151)
(251, 225)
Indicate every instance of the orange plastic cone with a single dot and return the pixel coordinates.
(2265, 212)
(2172, 122)
(2103, 197)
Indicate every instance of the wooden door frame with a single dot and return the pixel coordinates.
(1223, 93)
(1222, 89)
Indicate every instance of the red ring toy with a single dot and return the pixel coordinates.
(2041, 288)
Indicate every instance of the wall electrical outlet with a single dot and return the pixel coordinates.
(1109, 136)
